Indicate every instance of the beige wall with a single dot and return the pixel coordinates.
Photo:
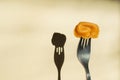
(26, 29)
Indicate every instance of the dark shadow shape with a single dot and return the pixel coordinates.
(58, 40)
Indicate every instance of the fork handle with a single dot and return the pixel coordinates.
(88, 77)
(59, 74)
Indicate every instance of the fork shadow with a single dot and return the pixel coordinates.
(58, 40)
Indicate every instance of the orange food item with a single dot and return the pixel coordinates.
(86, 30)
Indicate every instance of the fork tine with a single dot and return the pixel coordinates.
(85, 42)
(89, 44)
(80, 46)
(81, 40)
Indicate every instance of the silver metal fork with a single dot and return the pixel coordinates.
(83, 54)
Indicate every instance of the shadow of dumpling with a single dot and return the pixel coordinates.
(58, 39)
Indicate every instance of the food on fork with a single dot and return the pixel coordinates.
(86, 30)
(58, 39)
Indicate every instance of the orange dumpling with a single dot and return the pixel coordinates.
(86, 30)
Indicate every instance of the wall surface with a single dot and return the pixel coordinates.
(26, 29)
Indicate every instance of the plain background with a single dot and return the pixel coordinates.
(26, 29)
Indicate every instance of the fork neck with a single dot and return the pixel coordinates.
(59, 74)
(88, 77)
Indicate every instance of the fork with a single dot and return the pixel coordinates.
(83, 54)
(59, 59)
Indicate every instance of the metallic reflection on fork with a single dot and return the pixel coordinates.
(83, 54)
